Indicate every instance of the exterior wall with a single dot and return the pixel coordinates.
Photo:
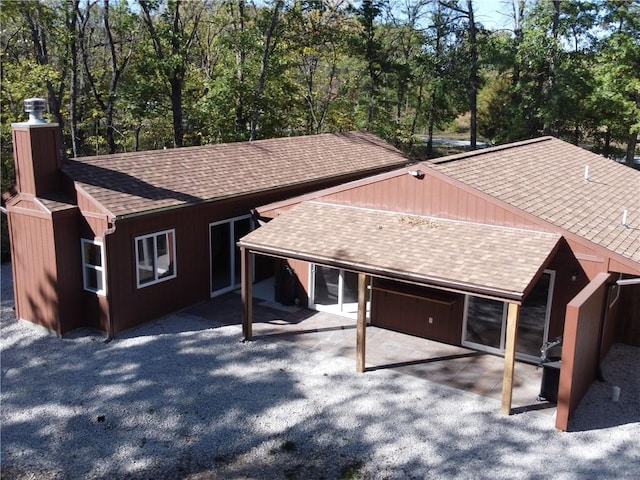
(129, 305)
(34, 267)
(69, 270)
(125, 305)
(301, 270)
(93, 225)
(430, 196)
(36, 151)
(581, 346)
(427, 313)
(629, 314)
(570, 280)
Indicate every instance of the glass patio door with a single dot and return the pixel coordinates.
(334, 290)
(225, 255)
(485, 321)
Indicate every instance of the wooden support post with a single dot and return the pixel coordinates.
(513, 313)
(361, 330)
(246, 292)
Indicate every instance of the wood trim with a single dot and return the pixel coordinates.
(361, 330)
(513, 313)
(29, 212)
(246, 292)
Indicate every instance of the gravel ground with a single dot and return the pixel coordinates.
(181, 399)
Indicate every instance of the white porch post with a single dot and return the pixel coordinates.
(513, 313)
(361, 330)
(246, 292)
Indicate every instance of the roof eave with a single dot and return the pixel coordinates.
(406, 277)
(372, 171)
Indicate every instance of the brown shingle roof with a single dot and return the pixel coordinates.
(131, 183)
(459, 255)
(545, 177)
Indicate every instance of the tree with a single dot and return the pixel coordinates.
(173, 28)
(618, 74)
(269, 44)
(117, 37)
(474, 80)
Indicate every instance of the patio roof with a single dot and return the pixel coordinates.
(492, 261)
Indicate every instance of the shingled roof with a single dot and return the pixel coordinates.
(546, 178)
(460, 256)
(132, 183)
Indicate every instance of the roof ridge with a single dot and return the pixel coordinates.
(188, 148)
(483, 151)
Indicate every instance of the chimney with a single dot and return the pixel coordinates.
(36, 151)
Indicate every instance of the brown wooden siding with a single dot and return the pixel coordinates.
(69, 270)
(34, 269)
(301, 270)
(581, 347)
(130, 305)
(419, 311)
(629, 314)
(431, 196)
(569, 281)
(36, 153)
(95, 220)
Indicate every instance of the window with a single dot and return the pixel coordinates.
(93, 266)
(155, 258)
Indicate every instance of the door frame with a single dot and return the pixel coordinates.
(501, 350)
(337, 308)
(235, 282)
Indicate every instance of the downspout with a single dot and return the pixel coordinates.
(603, 321)
(109, 231)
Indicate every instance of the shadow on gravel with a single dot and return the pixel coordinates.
(598, 409)
(166, 402)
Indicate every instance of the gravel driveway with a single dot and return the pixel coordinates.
(180, 398)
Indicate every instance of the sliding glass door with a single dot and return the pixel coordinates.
(334, 290)
(485, 321)
(225, 255)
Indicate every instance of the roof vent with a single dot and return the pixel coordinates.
(35, 107)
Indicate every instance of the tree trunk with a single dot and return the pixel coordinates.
(72, 25)
(631, 149)
(553, 61)
(41, 53)
(275, 18)
(241, 119)
(176, 110)
(473, 77)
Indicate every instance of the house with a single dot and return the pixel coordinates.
(112, 241)
(500, 250)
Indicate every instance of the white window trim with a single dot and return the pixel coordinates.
(99, 269)
(235, 282)
(157, 279)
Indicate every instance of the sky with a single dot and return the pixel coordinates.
(493, 14)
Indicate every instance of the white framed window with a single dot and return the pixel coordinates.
(155, 258)
(93, 266)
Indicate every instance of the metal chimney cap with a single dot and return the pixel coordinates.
(35, 107)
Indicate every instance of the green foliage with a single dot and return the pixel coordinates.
(395, 69)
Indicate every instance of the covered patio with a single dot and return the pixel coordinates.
(333, 335)
(491, 262)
